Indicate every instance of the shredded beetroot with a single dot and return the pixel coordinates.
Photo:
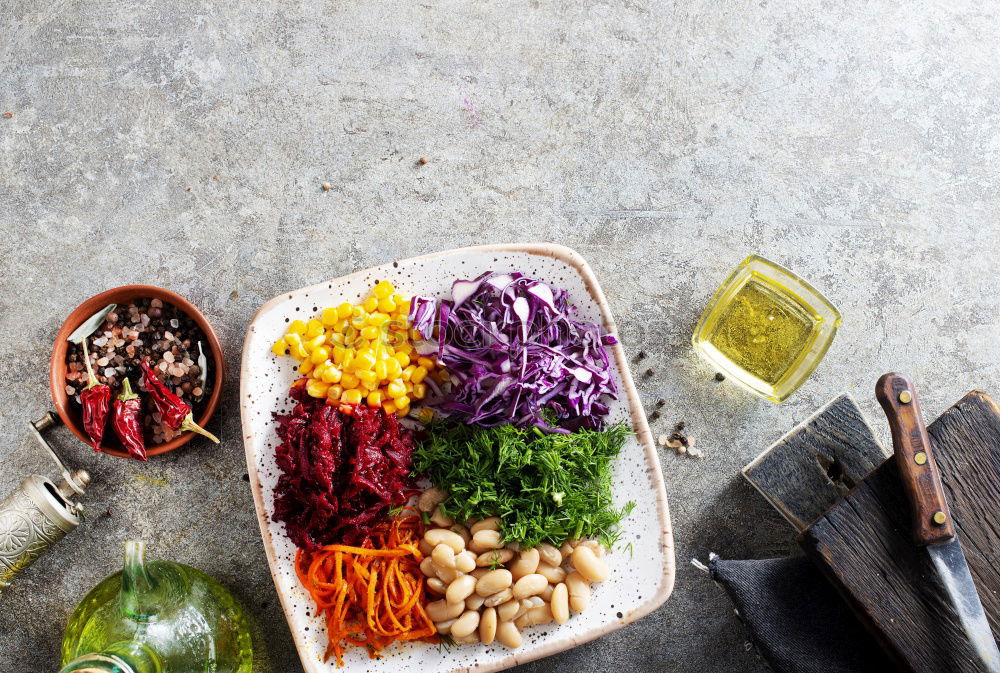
(340, 473)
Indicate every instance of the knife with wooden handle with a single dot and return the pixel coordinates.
(933, 527)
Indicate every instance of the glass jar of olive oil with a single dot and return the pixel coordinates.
(766, 328)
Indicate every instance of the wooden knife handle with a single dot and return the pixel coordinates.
(931, 519)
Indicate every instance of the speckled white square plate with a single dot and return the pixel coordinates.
(642, 577)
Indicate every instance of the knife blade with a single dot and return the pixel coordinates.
(933, 527)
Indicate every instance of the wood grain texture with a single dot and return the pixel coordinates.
(863, 544)
(808, 470)
(918, 471)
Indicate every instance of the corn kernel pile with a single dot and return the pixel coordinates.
(362, 352)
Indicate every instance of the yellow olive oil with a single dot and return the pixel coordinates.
(762, 332)
(766, 329)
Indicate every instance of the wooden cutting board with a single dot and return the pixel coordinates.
(863, 543)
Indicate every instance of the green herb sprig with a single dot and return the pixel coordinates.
(544, 487)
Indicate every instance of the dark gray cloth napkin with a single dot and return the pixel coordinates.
(796, 618)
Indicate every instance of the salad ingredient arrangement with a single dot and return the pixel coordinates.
(519, 515)
(544, 487)
(362, 352)
(341, 472)
(372, 595)
(146, 330)
(488, 591)
(516, 354)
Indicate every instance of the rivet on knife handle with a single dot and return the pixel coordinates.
(931, 519)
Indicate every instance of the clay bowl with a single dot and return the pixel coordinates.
(71, 415)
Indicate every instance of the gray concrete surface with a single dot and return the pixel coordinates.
(183, 144)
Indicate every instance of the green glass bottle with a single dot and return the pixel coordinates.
(157, 617)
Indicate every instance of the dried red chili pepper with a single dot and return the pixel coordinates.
(127, 421)
(96, 399)
(176, 414)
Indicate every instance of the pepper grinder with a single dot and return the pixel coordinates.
(39, 513)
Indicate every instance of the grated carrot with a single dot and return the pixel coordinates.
(371, 596)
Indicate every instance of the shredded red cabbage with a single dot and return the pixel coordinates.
(516, 354)
(340, 473)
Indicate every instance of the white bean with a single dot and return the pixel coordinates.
(465, 562)
(560, 603)
(442, 611)
(507, 611)
(446, 575)
(479, 572)
(595, 547)
(439, 518)
(444, 556)
(494, 581)
(494, 557)
(437, 586)
(565, 550)
(427, 566)
(436, 536)
(529, 585)
(467, 640)
(465, 624)
(498, 598)
(588, 565)
(425, 548)
(485, 540)
(523, 607)
(579, 591)
(546, 593)
(508, 634)
(474, 602)
(554, 574)
(488, 626)
(526, 563)
(539, 615)
(430, 499)
(462, 532)
(461, 589)
(534, 602)
(492, 523)
(549, 554)
(444, 627)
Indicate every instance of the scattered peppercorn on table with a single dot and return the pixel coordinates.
(356, 352)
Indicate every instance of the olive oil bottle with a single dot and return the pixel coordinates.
(766, 328)
(157, 617)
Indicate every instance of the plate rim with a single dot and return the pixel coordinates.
(639, 424)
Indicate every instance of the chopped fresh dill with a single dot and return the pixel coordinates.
(445, 642)
(544, 487)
